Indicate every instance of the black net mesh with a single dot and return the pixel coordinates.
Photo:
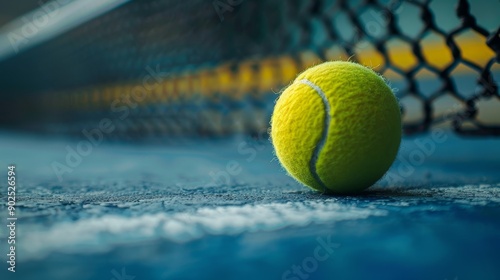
(213, 68)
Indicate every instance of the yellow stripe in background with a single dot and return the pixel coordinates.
(268, 75)
(225, 79)
(246, 78)
(288, 68)
(435, 51)
(260, 76)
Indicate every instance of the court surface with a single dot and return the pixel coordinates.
(175, 211)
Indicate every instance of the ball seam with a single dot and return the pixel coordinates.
(326, 124)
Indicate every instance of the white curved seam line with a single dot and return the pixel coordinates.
(324, 136)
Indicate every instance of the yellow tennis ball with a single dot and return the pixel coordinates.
(337, 127)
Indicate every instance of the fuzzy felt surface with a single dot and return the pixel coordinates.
(363, 131)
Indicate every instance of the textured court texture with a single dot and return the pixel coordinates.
(227, 210)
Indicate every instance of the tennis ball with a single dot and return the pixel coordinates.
(337, 127)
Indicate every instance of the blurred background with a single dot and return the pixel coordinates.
(198, 68)
(139, 132)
